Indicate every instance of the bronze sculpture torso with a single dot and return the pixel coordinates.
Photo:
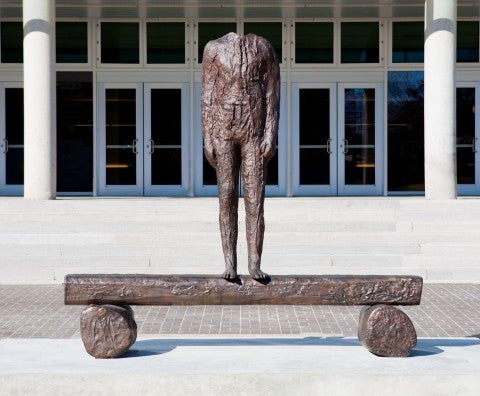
(240, 112)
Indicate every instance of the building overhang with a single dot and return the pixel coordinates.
(261, 9)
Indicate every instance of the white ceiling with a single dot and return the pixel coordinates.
(238, 8)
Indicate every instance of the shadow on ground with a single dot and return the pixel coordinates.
(425, 346)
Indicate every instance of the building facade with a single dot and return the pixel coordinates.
(104, 99)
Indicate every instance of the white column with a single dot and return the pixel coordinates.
(39, 99)
(440, 117)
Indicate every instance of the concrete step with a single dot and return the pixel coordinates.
(42, 241)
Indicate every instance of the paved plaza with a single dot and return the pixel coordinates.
(38, 311)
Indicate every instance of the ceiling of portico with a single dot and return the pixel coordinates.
(239, 8)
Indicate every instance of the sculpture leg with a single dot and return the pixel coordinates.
(253, 176)
(228, 168)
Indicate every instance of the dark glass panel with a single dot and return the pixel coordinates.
(465, 165)
(14, 166)
(121, 132)
(467, 41)
(465, 135)
(165, 42)
(314, 166)
(11, 34)
(360, 166)
(211, 31)
(209, 174)
(407, 42)
(166, 113)
(121, 166)
(14, 135)
(14, 115)
(314, 116)
(72, 42)
(272, 171)
(74, 132)
(121, 116)
(360, 42)
(405, 131)
(272, 31)
(167, 166)
(314, 42)
(360, 116)
(120, 42)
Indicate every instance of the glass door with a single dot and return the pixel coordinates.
(360, 123)
(120, 139)
(11, 139)
(165, 139)
(337, 139)
(314, 114)
(468, 181)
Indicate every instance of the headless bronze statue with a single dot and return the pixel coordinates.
(240, 112)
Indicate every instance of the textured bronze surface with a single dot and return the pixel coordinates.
(210, 290)
(386, 331)
(240, 112)
(107, 331)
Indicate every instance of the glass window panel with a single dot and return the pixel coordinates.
(121, 166)
(314, 116)
(314, 166)
(360, 42)
(14, 115)
(120, 136)
(74, 132)
(72, 42)
(120, 42)
(121, 116)
(211, 31)
(272, 31)
(14, 166)
(272, 170)
(360, 116)
(467, 41)
(360, 166)
(314, 42)
(165, 42)
(166, 105)
(405, 131)
(167, 166)
(407, 42)
(465, 135)
(14, 135)
(11, 34)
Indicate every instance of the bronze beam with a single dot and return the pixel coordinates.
(140, 289)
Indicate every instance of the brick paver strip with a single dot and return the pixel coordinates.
(37, 311)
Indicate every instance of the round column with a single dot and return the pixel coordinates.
(39, 99)
(440, 117)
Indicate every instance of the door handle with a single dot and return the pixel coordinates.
(329, 149)
(5, 146)
(152, 148)
(134, 146)
(345, 146)
(474, 145)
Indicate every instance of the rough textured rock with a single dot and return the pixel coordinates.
(240, 112)
(386, 331)
(107, 331)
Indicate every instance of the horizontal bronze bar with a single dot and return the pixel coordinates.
(212, 290)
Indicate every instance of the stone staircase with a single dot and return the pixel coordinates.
(40, 242)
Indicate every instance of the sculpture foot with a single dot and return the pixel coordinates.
(230, 274)
(257, 273)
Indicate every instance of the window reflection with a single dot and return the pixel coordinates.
(405, 131)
